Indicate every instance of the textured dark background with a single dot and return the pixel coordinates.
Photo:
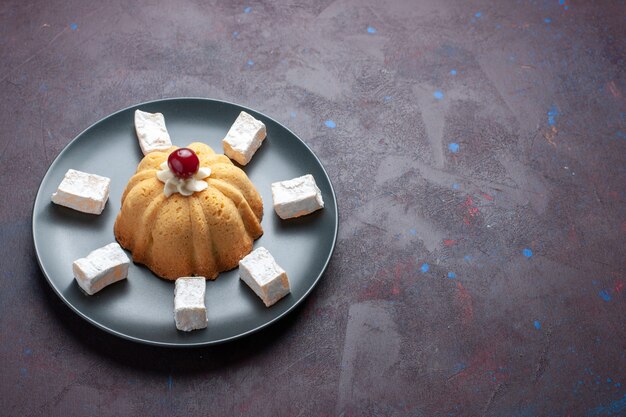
(477, 150)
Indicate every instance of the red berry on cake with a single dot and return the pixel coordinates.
(183, 162)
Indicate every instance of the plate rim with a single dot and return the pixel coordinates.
(107, 329)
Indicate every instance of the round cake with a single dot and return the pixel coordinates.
(196, 229)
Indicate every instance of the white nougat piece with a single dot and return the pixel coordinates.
(296, 197)
(189, 309)
(83, 192)
(244, 138)
(266, 278)
(100, 268)
(151, 132)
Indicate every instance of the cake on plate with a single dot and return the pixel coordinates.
(189, 212)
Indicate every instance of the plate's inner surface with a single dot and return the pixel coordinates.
(141, 307)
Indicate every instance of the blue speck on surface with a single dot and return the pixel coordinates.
(23, 371)
(235, 34)
(293, 114)
(454, 147)
(547, 20)
(387, 99)
(73, 26)
(455, 186)
(28, 352)
(594, 282)
(459, 367)
(438, 95)
(478, 14)
(330, 124)
(566, 7)
(609, 380)
(250, 62)
(453, 72)
(561, 2)
(43, 87)
(467, 258)
(371, 29)
(552, 115)
(537, 325)
(425, 267)
(605, 295)
(247, 9)
(412, 232)
(170, 382)
(451, 275)
(527, 252)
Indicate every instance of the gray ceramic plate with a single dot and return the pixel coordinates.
(141, 307)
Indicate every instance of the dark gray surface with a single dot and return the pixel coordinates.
(537, 108)
(140, 308)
